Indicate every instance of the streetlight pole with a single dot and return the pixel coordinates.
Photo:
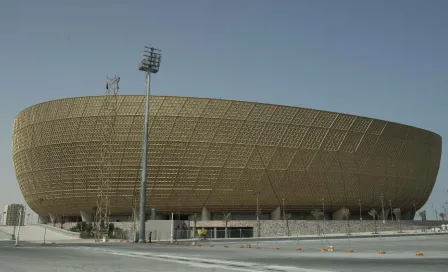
(283, 208)
(149, 64)
(257, 194)
(323, 214)
(382, 207)
(18, 227)
(45, 227)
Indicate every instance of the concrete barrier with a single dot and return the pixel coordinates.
(36, 233)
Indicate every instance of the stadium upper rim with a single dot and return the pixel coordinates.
(224, 99)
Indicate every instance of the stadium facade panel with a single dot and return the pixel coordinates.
(216, 153)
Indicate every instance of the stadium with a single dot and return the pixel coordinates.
(211, 156)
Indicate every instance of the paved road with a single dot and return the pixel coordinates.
(155, 257)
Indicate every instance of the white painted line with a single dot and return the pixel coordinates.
(206, 262)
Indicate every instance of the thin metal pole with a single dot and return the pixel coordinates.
(45, 233)
(391, 212)
(360, 210)
(382, 207)
(172, 227)
(258, 216)
(323, 215)
(283, 208)
(18, 229)
(141, 238)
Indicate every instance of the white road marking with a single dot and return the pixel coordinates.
(208, 263)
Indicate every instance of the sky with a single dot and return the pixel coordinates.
(381, 59)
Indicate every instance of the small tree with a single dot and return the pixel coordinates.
(422, 215)
(226, 218)
(423, 218)
(316, 214)
(397, 212)
(373, 213)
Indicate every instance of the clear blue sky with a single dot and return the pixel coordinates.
(382, 59)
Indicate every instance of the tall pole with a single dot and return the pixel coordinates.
(141, 238)
(108, 115)
(391, 212)
(283, 208)
(382, 207)
(323, 214)
(149, 64)
(45, 226)
(258, 214)
(172, 228)
(45, 233)
(18, 227)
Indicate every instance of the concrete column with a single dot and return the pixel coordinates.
(54, 218)
(408, 216)
(386, 214)
(339, 214)
(276, 214)
(86, 217)
(328, 215)
(205, 215)
(44, 219)
(215, 230)
(153, 215)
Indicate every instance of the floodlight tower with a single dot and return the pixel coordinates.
(108, 115)
(149, 64)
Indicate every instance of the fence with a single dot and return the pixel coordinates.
(215, 234)
(268, 228)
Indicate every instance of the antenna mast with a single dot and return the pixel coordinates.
(108, 115)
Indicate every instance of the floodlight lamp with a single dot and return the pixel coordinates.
(151, 61)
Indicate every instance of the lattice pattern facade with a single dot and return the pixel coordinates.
(216, 153)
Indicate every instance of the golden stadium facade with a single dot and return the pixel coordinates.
(216, 153)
